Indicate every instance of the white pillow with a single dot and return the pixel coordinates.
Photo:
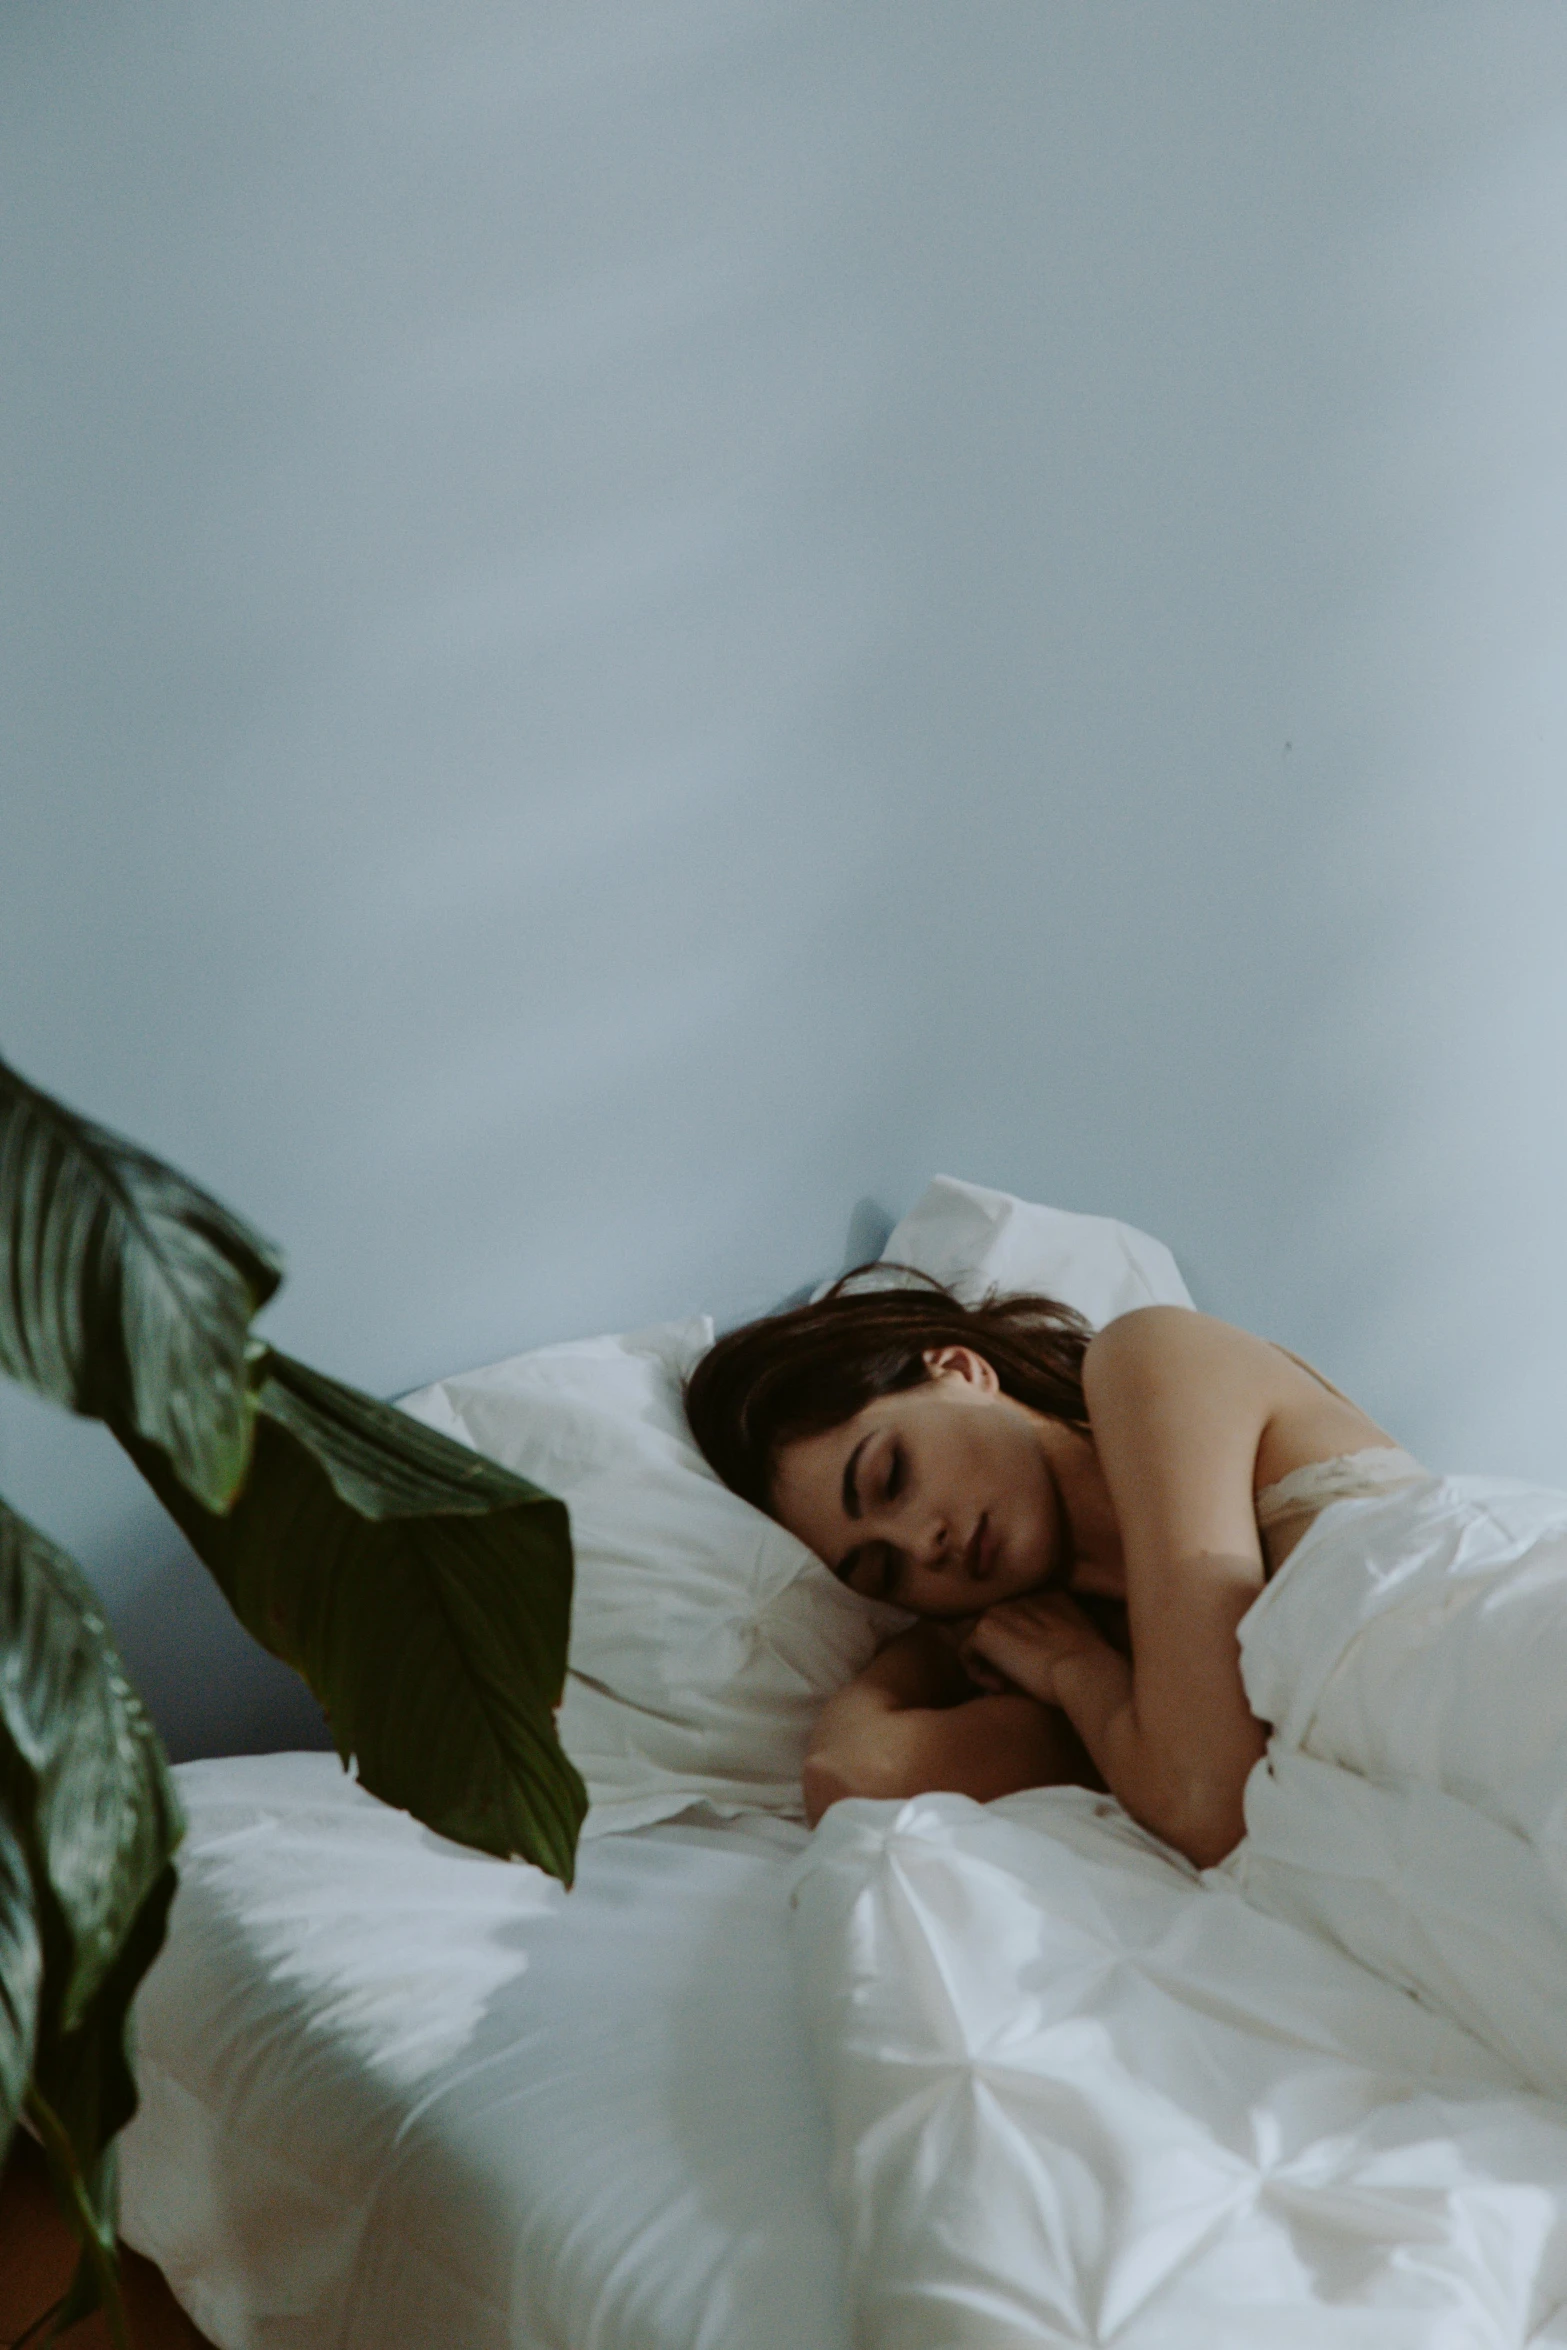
(975, 1240)
(704, 1639)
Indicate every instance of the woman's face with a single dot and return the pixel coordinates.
(940, 1498)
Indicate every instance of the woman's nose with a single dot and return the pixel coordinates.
(938, 1547)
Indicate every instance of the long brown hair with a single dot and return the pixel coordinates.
(815, 1366)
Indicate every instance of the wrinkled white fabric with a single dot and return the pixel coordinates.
(1080, 2096)
(1363, 1475)
(399, 2096)
(976, 1240)
(1286, 1509)
(1411, 1656)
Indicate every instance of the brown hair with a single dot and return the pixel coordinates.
(815, 1366)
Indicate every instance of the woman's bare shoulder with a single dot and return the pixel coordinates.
(1166, 1354)
(1175, 1341)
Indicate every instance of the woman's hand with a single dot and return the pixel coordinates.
(911, 1723)
(1023, 1643)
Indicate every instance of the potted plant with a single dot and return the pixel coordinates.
(423, 1593)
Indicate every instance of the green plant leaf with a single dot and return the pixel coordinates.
(125, 1292)
(423, 1592)
(85, 1792)
(82, 1777)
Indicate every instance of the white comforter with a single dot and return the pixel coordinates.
(1412, 1657)
(399, 2096)
(1080, 2095)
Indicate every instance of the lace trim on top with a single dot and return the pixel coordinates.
(1348, 1476)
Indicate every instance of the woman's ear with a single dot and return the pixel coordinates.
(961, 1365)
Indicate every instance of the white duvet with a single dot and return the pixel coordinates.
(397, 2095)
(1412, 1657)
(1080, 2095)
(400, 2096)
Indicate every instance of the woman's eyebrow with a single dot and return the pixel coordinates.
(851, 1498)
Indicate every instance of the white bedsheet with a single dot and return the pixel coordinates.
(398, 2096)
(1081, 2097)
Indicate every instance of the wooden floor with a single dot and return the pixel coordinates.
(36, 2259)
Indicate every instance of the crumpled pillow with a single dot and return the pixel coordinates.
(976, 1240)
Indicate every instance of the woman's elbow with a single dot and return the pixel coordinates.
(848, 1767)
(1203, 1832)
(1210, 1842)
(822, 1785)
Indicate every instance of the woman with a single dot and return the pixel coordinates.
(1017, 1481)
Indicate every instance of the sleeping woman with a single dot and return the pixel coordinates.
(1081, 1520)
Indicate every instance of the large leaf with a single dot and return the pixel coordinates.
(125, 1292)
(423, 1592)
(82, 1775)
(86, 1794)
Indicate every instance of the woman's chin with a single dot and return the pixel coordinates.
(1015, 1574)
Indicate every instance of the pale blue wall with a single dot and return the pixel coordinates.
(627, 624)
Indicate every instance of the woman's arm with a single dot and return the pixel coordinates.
(1178, 1404)
(911, 1725)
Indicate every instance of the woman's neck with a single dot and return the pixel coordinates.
(1093, 1537)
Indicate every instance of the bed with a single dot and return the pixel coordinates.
(940, 2077)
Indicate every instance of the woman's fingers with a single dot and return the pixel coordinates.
(1025, 1639)
(1050, 1614)
(953, 1632)
(979, 1666)
(985, 1675)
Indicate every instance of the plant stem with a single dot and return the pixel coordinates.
(71, 2187)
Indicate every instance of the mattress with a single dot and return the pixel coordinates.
(397, 2095)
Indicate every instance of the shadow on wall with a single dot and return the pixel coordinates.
(870, 1229)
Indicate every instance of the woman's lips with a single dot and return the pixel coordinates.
(981, 1551)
